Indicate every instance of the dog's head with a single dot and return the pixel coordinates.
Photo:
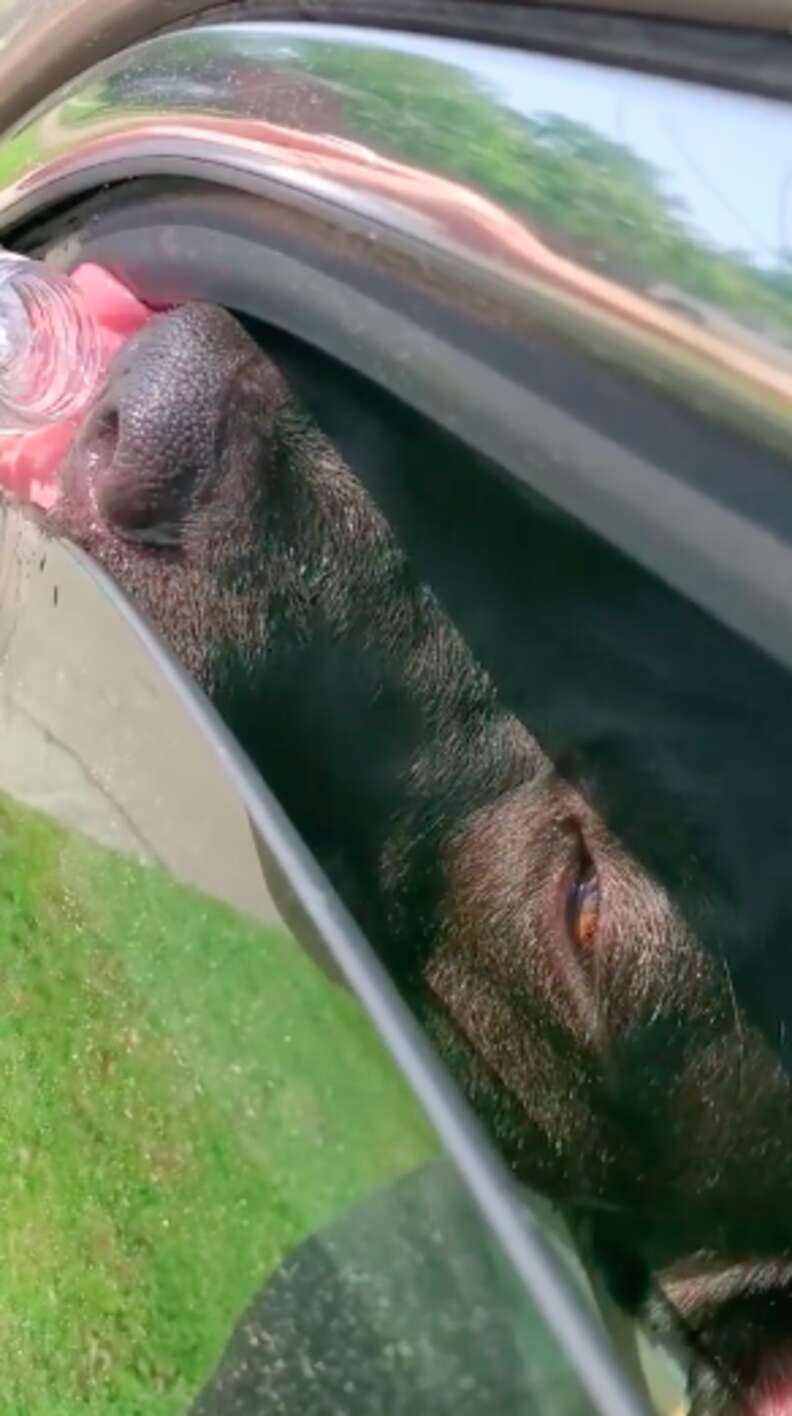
(593, 1002)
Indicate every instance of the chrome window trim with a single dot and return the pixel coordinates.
(54, 40)
(383, 217)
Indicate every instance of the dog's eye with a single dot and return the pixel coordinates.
(583, 902)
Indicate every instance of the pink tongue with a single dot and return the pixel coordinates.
(28, 463)
(771, 1395)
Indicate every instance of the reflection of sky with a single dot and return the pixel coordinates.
(729, 161)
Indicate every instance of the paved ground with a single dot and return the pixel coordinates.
(91, 734)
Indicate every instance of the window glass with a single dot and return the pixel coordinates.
(219, 1193)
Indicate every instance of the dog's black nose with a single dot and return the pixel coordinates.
(152, 444)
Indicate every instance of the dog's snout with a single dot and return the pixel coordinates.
(151, 446)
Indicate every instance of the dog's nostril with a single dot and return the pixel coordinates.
(126, 467)
(123, 494)
(103, 435)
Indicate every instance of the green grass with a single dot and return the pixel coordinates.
(183, 1097)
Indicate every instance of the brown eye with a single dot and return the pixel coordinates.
(583, 903)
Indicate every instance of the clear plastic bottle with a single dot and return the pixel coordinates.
(51, 351)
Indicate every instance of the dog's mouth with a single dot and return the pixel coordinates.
(756, 1382)
(737, 1319)
(772, 1394)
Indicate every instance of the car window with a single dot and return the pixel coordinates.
(550, 791)
(220, 1194)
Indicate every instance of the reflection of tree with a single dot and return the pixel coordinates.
(780, 279)
(607, 205)
(594, 199)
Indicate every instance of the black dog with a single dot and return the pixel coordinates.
(581, 978)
